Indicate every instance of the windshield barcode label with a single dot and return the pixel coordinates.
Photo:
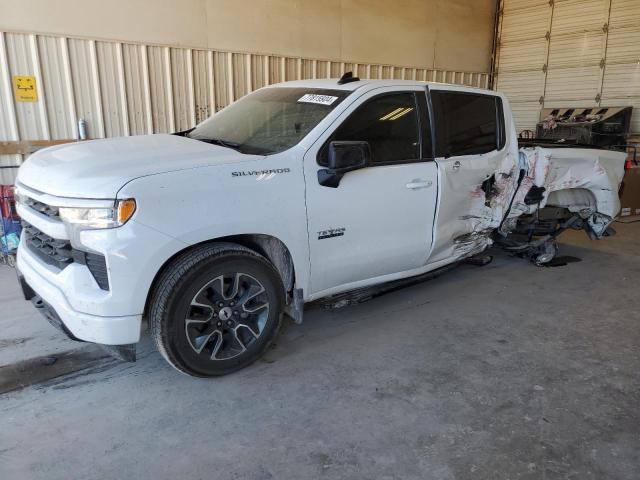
(320, 99)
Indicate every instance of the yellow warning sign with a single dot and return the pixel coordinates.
(25, 89)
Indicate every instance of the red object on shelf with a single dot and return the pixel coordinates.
(8, 202)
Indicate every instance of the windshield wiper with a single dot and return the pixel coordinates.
(219, 141)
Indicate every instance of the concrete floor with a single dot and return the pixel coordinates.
(502, 372)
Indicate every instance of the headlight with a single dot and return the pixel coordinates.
(96, 218)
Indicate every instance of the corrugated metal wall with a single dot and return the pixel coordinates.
(569, 53)
(134, 89)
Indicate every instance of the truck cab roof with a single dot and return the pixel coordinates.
(366, 85)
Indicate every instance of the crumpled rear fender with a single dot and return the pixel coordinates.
(584, 181)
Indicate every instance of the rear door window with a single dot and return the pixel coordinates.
(466, 123)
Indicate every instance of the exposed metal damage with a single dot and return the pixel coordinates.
(489, 203)
(527, 203)
(472, 243)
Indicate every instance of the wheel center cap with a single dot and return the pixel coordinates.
(225, 314)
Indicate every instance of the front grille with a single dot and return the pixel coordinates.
(43, 208)
(58, 253)
(61, 254)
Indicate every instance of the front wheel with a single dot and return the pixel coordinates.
(216, 309)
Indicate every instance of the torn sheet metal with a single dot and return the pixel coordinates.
(581, 180)
(489, 202)
(473, 200)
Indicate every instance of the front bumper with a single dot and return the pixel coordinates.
(120, 330)
(47, 310)
(122, 352)
(101, 303)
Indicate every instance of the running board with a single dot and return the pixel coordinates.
(361, 295)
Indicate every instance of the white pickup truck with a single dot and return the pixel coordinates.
(296, 192)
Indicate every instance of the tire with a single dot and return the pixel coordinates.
(216, 309)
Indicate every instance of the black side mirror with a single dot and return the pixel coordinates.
(344, 157)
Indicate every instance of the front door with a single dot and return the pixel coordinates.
(379, 219)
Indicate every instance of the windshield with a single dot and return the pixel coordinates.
(270, 120)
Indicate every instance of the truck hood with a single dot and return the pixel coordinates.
(99, 168)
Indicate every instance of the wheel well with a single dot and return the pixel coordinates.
(575, 199)
(272, 248)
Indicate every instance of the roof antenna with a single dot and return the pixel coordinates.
(347, 78)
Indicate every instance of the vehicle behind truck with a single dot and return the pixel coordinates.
(297, 192)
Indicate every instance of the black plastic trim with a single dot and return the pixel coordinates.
(42, 208)
(60, 254)
(348, 78)
(432, 126)
(97, 265)
(51, 251)
(502, 130)
(27, 291)
(424, 124)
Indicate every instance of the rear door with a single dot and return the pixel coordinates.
(469, 148)
(379, 220)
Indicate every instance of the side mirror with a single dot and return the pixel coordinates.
(344, 157)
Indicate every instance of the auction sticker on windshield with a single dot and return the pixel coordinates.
(320, 99)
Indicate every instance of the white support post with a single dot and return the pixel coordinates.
(123, 91)
(265, 67)
(68, 84)
(248, 73)
(97, 94)
(42, 101)
(146, 80)
(191, 94)
(169, 81)
(211, 82)
(230, 82)
(5, 78)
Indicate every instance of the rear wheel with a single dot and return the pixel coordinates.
(216, 309)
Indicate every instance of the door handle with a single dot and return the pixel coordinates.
(417, 183)
(456, 165)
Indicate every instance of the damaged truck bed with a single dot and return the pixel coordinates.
(557, 189)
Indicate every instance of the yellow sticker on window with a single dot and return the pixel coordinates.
(24, 88)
